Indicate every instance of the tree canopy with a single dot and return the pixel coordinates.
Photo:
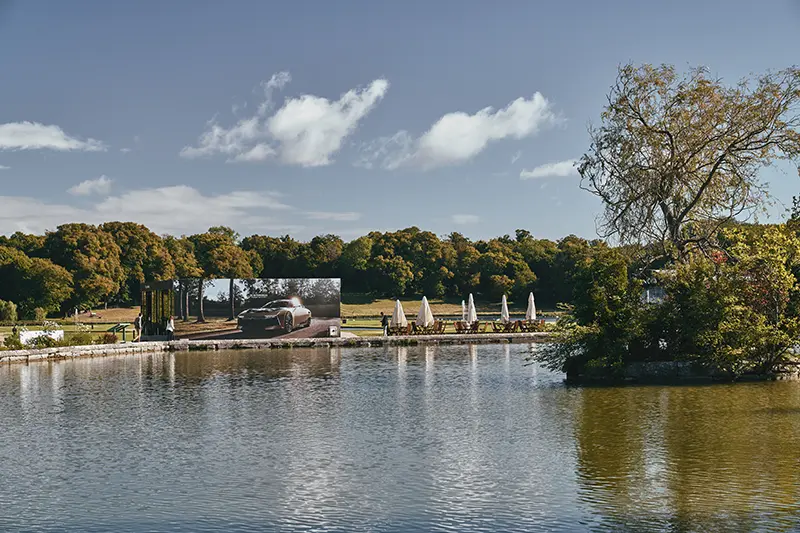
(677, 157)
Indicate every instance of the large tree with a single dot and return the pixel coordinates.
(143, 257)
(181, 250)
(32, 282)
(93, 258)
(219, 256)
(678, 157)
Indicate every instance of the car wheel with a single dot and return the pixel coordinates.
(288, 325)
(308, 322)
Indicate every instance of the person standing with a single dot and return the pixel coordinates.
(385, 323)
(137, 328)
(170, 329)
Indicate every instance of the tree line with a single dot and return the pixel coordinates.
(85, 266)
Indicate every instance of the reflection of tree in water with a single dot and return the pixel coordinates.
(691, 458)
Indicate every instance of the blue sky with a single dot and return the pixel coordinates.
(337, 117)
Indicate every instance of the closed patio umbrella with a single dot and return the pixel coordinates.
(472, 313)
(398, 316)
(505, 318)
(425, 316)
(463, 311)
(530, 314)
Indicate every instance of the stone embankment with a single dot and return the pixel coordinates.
(44, 354)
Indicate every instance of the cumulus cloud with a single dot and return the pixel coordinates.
(36, 136)
(465, 219)
(100, 186)
(559, 169)
(348, 216)
(459, 137)
(176, 210)
(306, 130)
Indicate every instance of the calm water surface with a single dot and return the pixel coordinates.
(392, 440)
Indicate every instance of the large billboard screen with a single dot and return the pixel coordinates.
(256, 308)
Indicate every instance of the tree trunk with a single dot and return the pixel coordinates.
(233, 301)
(185, 297)
(201, 317)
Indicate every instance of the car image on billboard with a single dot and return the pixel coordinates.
(257, 308)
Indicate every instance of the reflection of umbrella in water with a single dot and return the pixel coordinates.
(505, 318)
(425, 315)
(530, 314)
(472, 313)
(398, 316)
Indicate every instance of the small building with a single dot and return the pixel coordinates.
(158, 304)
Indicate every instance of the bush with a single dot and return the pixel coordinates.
(80, 339)
(12, 342)
(107, 338)
(43, 342)
(8, 311)
(39, 314)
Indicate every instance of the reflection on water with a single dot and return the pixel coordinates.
(456, 438)
(723, 457)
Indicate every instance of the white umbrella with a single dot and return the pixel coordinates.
(530, 314)
(425, 316)
(463, 311)
(398, 316)
(505, 318)
(472, 313)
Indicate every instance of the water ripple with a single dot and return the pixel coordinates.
(450, 439)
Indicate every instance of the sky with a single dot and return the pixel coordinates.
(316, 117)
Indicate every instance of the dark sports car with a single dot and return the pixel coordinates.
(279, 314)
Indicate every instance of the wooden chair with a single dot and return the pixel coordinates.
(439, 327)
(477, 327)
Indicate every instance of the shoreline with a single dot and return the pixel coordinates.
(101, 350)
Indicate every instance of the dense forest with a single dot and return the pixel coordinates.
(84, 266)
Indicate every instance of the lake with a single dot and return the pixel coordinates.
(456, 439)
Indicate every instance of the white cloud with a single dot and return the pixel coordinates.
(175, 210)
(559, 169)
(3, 167)
(306, 131)
(458, 137)
(465, 219)
(516, 156)
(36, 136)
(100, 186)
(334, 216)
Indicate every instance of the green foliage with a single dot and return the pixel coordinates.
(92, 257)
(32, 281)
(12, 342)
(39, 314)
(143, 256)
(603, 323)
(43, 341)
(107, 338)
(81, 338)
(733, 312)
(8, 311)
